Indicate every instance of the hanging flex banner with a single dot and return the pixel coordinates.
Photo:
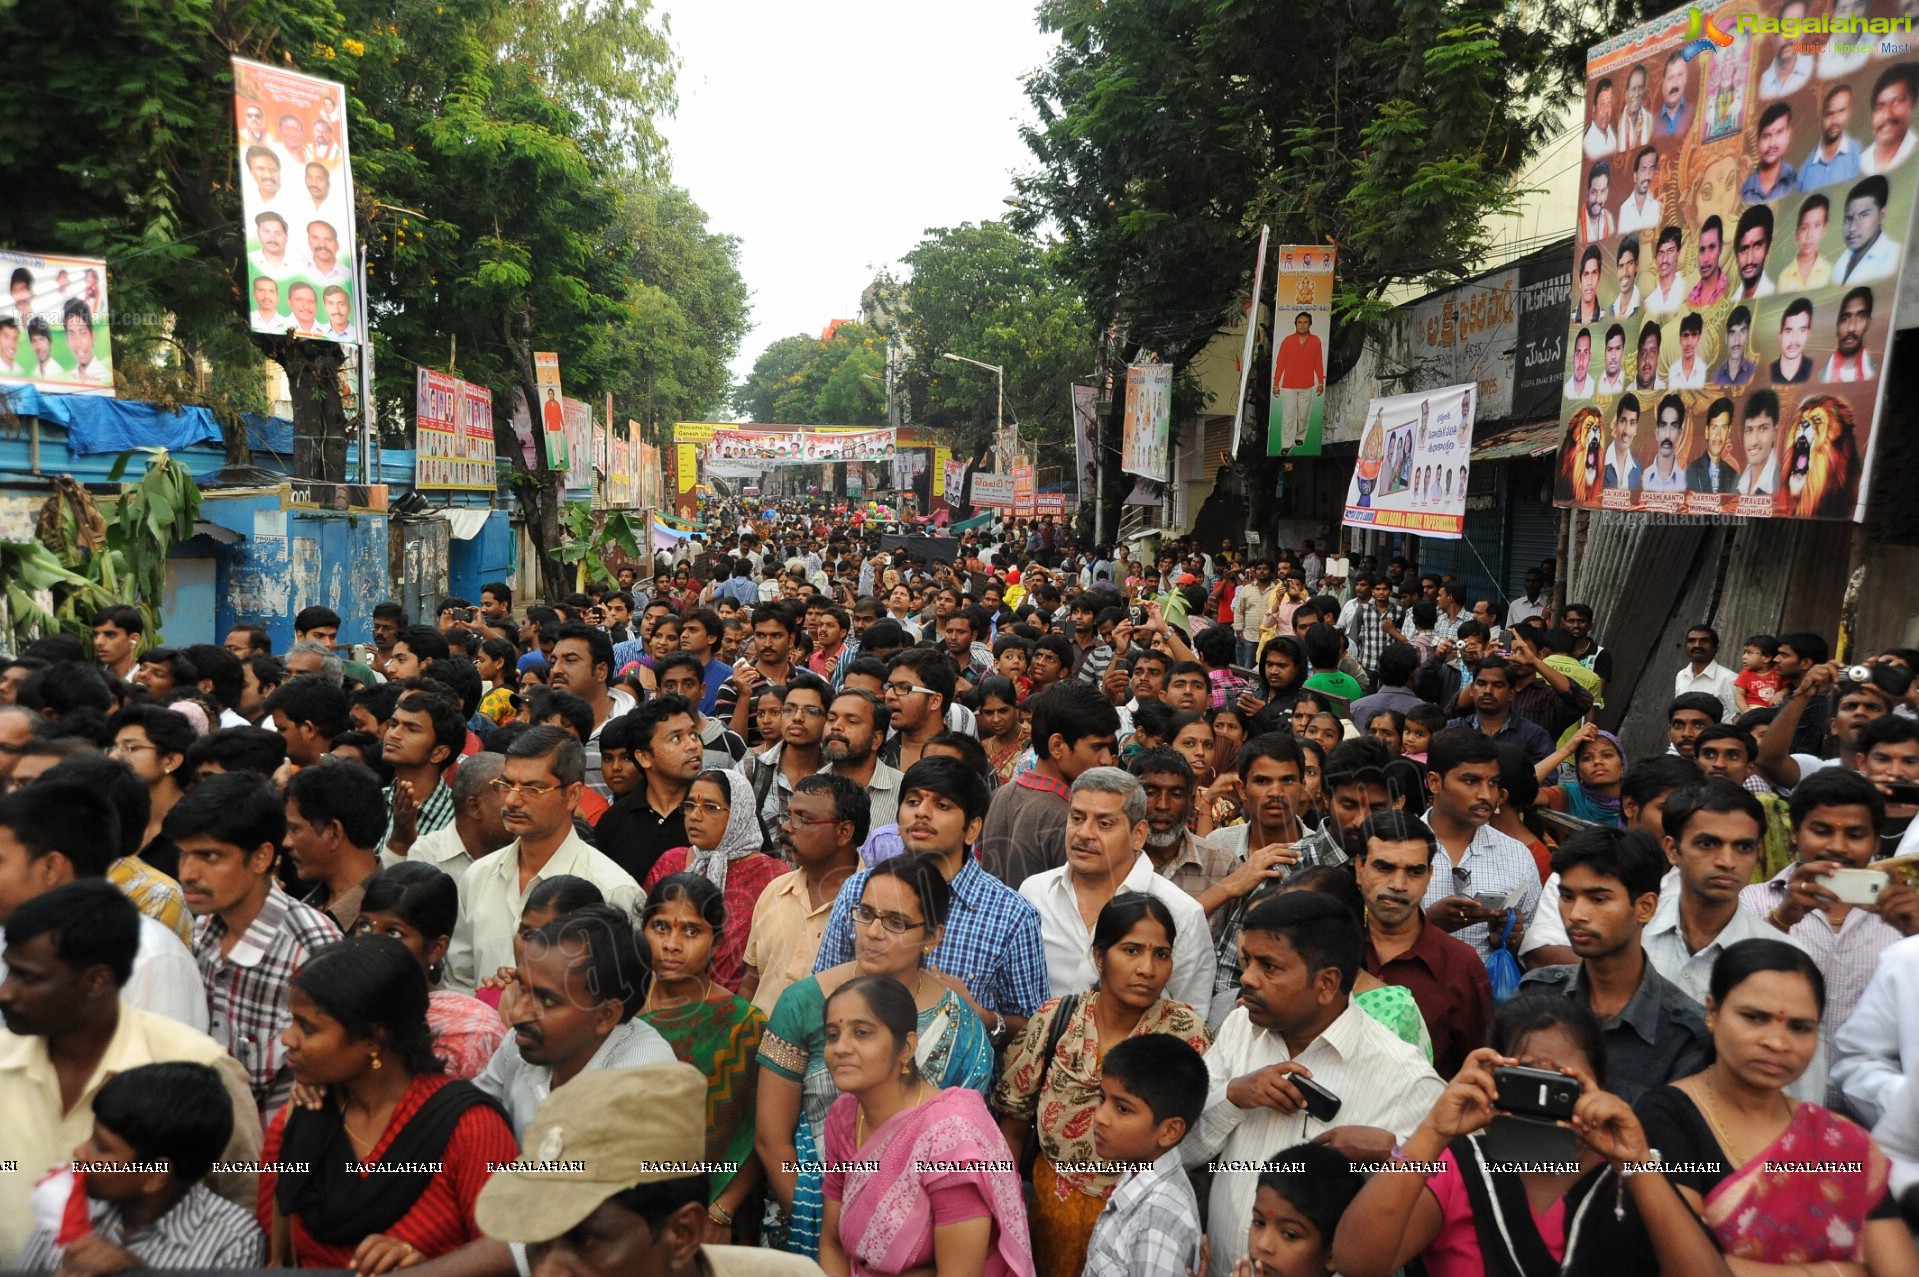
(1085, 431)
(1145, 442)
(551, 409)
(799, 448)
(54, 334)
(1745, 197)
(1413, 464)
(453, 438)
(296, 198)
(1302, 324)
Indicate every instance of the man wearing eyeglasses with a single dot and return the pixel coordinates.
(919, 687)
(540, 784)
(18, 728)
(775, 770)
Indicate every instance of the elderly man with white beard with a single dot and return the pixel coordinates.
(1192, 863)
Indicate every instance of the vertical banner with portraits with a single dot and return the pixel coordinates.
(1145, 442)
(1744, 202)
(551, 410)
(53, 331)
(453, 437)
(1302, 323)
(580, 444)
(1085, 431)
(296, 193)
(1414, 459)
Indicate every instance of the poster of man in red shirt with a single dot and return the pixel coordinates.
(1303, 295)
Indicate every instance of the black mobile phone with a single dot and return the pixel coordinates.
(1320, 1102)
(1901, 793)
(1536, 1092)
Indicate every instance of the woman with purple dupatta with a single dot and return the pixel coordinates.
(917, 1178)
(1780, 1183)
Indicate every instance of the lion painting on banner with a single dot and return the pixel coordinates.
(1822, 470)
(1581, 469)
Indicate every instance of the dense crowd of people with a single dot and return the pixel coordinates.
(987, 905)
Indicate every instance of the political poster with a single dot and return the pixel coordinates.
(453, 440)
(1025, 491)
(296, 198)
(1746, 189)
(954, 480)
(1302, 325)
(1413, 462)
(1145, 440)
(652, 483)
(578, 418)
(1085, 432)
(1252, 338)
(619, 470)
(53, 332)
(798, 448)
(552, 408)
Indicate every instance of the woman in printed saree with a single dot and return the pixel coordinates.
(918, 1179)
(1058, 1093)
(1475, 1216)
(714, 1030)
(1786, 1186)
(897, 924)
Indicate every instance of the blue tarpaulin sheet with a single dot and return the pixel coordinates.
(96, 424)
(269, 434)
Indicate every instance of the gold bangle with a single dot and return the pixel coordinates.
(718, 1214)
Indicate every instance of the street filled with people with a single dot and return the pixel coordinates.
(818, 895)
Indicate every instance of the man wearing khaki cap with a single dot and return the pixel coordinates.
(611, 1182)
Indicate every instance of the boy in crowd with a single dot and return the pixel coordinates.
(168, 1124)
(1152, 1089)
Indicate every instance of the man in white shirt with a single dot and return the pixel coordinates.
(339, 313)
(1787, 72)
(1665, 474)
(1477, 868)
(1870, 256)
(1580, 384)
(1851, 361)
(1751, 243)
(1595, 219)
(1688, 372)
(1106, 833)
(573, 1010)
(272, 258)
(1622, 467)
(1296, 1019)
(1640, 212)
(1714, 832)
(1613, 380)
(304, 301)
(540, 782)
(265, 316)
(1892, 138)
(323, 244)
(1602, 140)
(1704, 673)
(80, 342)
(1635, 117)
(1669, 294)
(1760, 434)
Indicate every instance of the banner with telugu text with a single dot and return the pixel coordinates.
(1146, 439)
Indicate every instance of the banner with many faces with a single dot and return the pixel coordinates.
(1743, 213)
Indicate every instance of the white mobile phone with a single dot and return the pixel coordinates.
(1856, 886)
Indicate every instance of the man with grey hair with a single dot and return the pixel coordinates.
(539, 784)
(308, 657)
(477, 829)
(1106, 832)
(19, 727)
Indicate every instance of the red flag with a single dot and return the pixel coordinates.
(60, 1205)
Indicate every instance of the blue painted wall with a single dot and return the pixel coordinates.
(486, 557)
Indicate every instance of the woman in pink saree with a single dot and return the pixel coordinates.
(918, 1180)
(1784, 1185)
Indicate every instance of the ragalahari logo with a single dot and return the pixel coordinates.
(1703, 34)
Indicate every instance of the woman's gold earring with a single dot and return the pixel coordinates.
(376, 1059)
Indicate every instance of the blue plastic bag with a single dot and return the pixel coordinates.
(1501, 966)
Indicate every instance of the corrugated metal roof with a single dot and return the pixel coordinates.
(1533, 439)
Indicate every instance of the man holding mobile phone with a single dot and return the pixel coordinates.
(1835, 831)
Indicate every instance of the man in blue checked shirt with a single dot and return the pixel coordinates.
(992, 940)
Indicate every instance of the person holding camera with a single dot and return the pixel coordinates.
(1451, 1197)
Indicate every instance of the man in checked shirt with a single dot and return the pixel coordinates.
(250, 936)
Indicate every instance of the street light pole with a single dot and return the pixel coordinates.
(999, 418)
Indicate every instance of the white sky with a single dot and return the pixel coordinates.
(829, 134)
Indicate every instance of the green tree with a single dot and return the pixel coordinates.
(802, 381)
(774, 374)
(991, 293)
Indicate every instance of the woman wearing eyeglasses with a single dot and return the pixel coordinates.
(899, 920)
(728, 850)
